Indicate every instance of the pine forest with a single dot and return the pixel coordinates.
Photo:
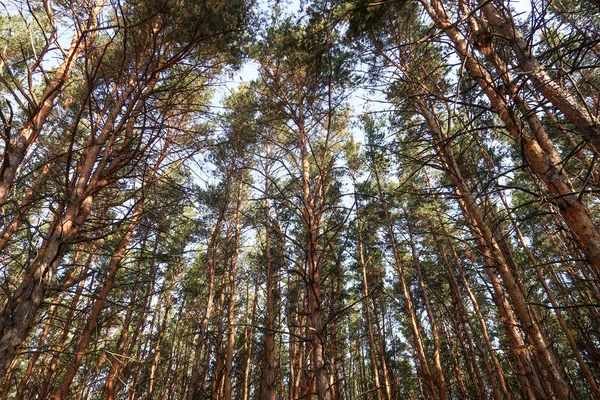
(299, 199)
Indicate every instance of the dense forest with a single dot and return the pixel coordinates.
(341, 199)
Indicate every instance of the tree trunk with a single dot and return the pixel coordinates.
(16, 149)
(211, 260)
(268, 373)
(365, 302)
(166, 297)
(439, 379)
(228, 367)
(249, 342)
(115, 263)
(454, 285)
(586, 121)
(121, 362)
(583, 368)
(313, 274)
(538, 149)
(217, 380)
(423, 365)
(22, 307)
(120, 346)
(526, 314)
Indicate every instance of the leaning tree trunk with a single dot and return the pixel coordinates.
(440, 379)
(92, 174)
(526, 314)
(537, 148)
(503, 391)
(92, 322)
(17, 148)
(586, 121)
(428, 381)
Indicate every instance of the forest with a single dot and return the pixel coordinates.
(314, 199)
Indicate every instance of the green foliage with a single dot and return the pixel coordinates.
(134, 122)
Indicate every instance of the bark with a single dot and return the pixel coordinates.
(32, 195)
(123, 336)
(27, 375)
(316, 318)
(52, 317)
(312, 220)
(384, 361)
(469, 355)
(60, 346)
(296, 345)
(122, 360)
(583, 368)
(90, 176)
(26, 203)
(22, 307)
(167, 290)
(462, 388)
(217, 379)
(174, 364)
